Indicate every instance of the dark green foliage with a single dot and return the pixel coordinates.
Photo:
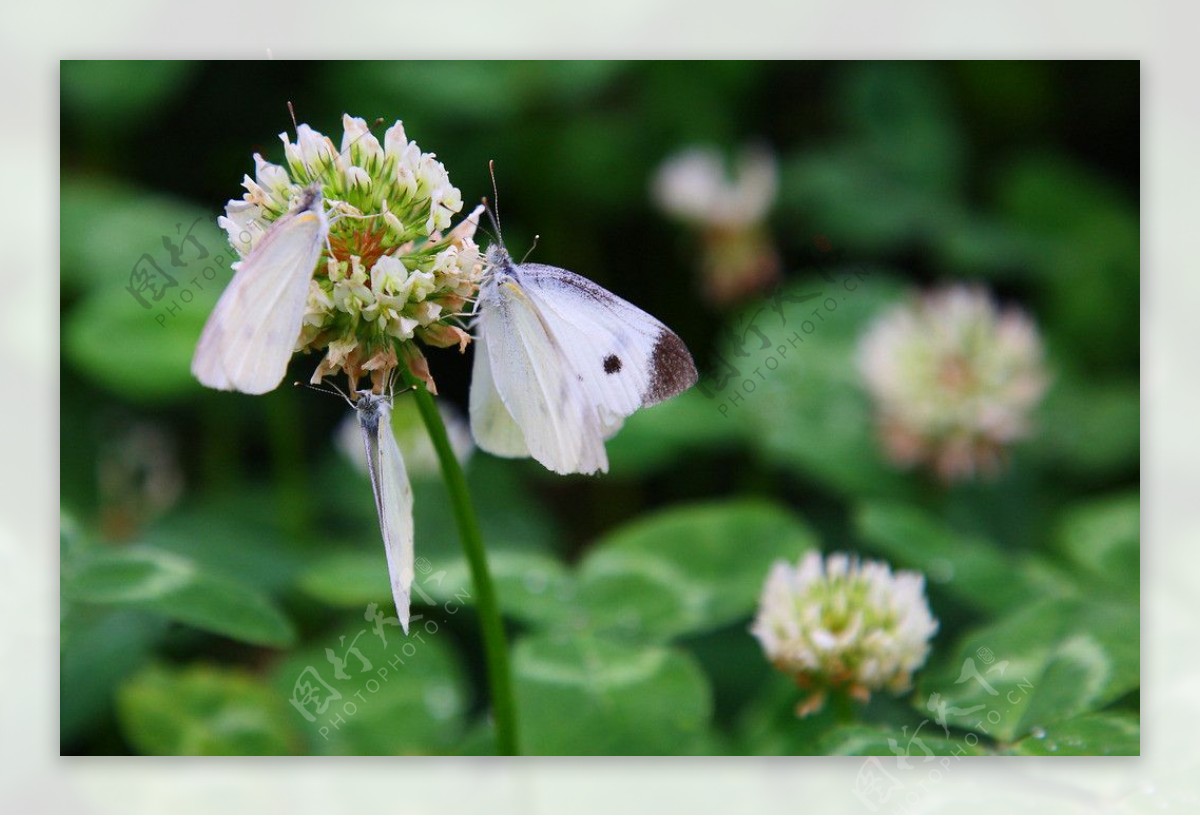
(206, 586)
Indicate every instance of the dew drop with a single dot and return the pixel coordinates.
(1038, 732)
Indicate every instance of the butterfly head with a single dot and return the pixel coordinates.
(497, 257)
(498, 266)
(368, 403)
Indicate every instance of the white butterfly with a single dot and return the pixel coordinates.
(560, 362)
(393, 494)
(250, 335)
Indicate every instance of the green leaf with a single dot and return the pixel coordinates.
(800, 400)
(1048, 662)
(96, 653)
(1100, 734)
(736, 668)
(1087, 235)
(769, 726)
(204, 711)
(860, 201)
(531, 587)
(976, 246)
(900, 114)
(480, 740)
(914, 744)
(396, 694)
(74, 546)
(687, 569)
(657, 437)
(138, 343)
(1103, 537)
(512, 518)
(1091, 429)
(144, 578)
(581, 695)
(964, 565)
(894, 178)
(348, 578)
(354, 577)
(123, 347)
(108, 228)
(237, 536)
(665, 575)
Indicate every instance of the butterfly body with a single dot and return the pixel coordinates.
(393, 494)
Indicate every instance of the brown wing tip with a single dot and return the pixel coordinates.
(671, 369)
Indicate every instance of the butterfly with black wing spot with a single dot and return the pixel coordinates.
(560, 362)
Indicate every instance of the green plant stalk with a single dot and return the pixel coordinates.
(504, 710)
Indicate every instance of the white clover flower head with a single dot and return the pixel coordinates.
(841, 625)
(390, 272)
(954, 379)
(738, 258)
(693, 186)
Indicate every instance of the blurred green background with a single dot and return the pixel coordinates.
(217, 548)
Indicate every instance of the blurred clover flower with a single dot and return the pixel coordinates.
(390, 271)
(954, 380)
(420, 458)
(838, 625)
(739, 258)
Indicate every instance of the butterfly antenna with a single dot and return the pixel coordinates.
(329, 389)
(531, 249)
(494, 210)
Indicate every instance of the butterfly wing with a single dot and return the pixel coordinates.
(535, 384)
(491, 424)
(393, 497)
(624, 358)
(250, 335)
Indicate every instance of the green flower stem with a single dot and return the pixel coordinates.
(495, 646)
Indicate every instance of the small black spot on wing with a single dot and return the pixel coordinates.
(612, 364)
(671, 369)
